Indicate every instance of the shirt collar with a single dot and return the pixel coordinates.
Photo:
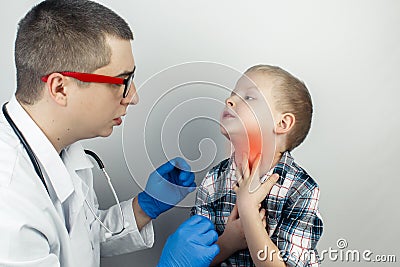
(284, 165)
(45, 152)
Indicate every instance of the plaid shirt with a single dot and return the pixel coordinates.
(294, 222)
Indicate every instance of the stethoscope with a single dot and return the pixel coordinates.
(38, 170)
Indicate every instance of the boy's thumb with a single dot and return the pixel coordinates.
(273, 179)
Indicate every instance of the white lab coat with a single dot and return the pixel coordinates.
(38, 230)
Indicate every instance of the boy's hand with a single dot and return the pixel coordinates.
(249, 190)
(233, 236)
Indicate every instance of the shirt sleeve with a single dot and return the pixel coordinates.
(131, 239)
(300, 229)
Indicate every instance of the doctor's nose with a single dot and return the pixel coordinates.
(132, 98)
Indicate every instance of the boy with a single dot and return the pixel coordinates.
(294, 225)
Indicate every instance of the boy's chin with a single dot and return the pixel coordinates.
(234, 136)
(225, 133)
(226, 136)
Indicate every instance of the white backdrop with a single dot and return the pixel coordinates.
(348, 54)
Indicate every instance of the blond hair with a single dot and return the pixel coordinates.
(291, 96)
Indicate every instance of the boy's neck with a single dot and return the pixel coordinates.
(267, 161)
(270, 154)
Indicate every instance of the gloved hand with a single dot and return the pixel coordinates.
(166, 186)
(192, 244)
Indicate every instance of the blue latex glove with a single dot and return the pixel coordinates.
(192, 244)
(166, 186)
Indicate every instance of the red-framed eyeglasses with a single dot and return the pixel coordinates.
(97, 78)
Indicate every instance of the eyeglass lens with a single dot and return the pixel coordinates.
(128, 84)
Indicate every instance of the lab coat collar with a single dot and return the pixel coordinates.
(45, 152)
(75, 157)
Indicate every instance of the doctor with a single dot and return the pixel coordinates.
(74, 81)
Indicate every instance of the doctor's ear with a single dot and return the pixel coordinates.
(55, 86)
(285, 123)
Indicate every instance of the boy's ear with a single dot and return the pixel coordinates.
(55, 86)
(285, 123)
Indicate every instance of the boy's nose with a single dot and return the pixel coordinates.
(229, 102)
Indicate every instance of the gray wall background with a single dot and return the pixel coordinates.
(347, 52)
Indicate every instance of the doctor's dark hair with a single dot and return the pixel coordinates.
(63, 35)
(291, 96)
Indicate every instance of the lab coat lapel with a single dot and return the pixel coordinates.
(76, 160)
(79, 167)
(81, 241)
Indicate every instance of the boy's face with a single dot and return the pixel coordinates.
(98, 107)
(249, 111)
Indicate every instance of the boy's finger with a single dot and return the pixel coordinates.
(234, 214)
(239, 180)
(255, 170)
(245, 166)
(238, 173)
(273, 179)
(255, 174)
(264, 221)
(262, 213)
(235, 188)
(270, 182)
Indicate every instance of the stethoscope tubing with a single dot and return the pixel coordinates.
(25, 144)
(38, 171)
